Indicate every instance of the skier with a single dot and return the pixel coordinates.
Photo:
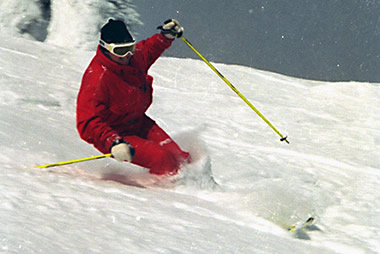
(115, 93)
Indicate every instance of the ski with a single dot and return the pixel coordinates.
(300, 225)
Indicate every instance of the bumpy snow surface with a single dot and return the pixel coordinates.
(330, 169)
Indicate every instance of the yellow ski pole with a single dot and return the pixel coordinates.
(74, 161)
(283, 138)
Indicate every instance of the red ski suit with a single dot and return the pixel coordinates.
(112, 102)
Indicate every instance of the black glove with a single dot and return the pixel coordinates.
(171, 29)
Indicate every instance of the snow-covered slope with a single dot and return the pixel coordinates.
(330, 169)
(68, 23)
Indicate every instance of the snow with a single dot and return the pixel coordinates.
(77, 23)
(329, 170)
(20, 17)
(66, 23)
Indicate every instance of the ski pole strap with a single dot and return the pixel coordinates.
(283, 138)
(74, 161)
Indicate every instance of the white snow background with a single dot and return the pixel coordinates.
(329, 170)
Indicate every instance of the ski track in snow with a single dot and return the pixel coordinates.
(330, 170)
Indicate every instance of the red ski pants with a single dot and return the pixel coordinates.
(156, 151)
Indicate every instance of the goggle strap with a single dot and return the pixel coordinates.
(112, 45)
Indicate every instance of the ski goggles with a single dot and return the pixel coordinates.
(120, 49)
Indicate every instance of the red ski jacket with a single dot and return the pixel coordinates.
(113, 98)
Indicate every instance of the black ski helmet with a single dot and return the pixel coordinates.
(115, 31)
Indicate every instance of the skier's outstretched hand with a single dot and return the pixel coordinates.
(122, 152)
(171, 29)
